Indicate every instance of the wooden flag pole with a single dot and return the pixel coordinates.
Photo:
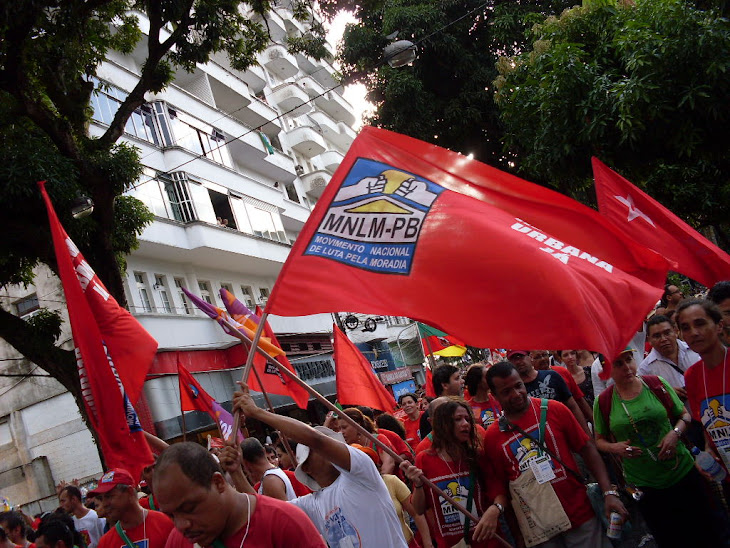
(284, 441)
(324, 401)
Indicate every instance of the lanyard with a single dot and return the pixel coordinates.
(124, 536)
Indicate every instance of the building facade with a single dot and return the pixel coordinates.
(233, 163)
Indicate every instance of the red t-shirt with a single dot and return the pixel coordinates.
(274, 523)
(454, 479)
(299, 488)
(709, 403)
(507, 454)
(569, 380)
(152, 533)
(144, 502)
(412, 427)
(485, 412)
(401, 447)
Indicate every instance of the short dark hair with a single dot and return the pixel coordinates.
(72, 491)
(442, 374)
(194, 461)
(12, 520)
(502, 370)
(407, 395)
(363, 420)
(389, 422)
(656, 320)
(252, 450)
(719, 292)
(473, 377)
(367, 411)
(59, 526)
(709, 307)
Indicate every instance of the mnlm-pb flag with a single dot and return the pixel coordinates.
(113, 354)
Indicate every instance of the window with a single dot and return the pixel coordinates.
(179, 284)
(222, 209)
(178, 193)
(263, 294)
(396, 320)
(291, 192)
(144, 296)
(6, 435)
(314, 369)
(248, 299)
(27, 305)
(205, 292)
(199, 137)
(161, 287)
(227, 287)
(142, 123)
(262, 223)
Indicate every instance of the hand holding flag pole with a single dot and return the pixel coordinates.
(329, 405)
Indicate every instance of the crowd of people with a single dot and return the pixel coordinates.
(541, 448)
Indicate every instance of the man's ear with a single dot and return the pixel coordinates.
(219, 482)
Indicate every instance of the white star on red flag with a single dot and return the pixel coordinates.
(634, 211)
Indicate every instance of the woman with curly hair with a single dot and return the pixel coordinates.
(452, 463)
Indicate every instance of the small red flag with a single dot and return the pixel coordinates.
(355, 379)
(651, 224)
(274, 381)
(99, 326)
(430, 391)
(406, 228)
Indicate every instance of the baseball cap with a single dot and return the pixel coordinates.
(513, 353)
(303, 454)
(112, 478)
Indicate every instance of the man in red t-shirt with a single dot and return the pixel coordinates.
(412, 420)
(135, 526)
(508, 454)
(190, 486)
(707, 382)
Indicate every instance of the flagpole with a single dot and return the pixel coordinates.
(185, 433)
(430, 352)
(324, 401)
(182, 411)
(284, 441)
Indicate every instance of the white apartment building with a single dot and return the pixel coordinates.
(233, 163)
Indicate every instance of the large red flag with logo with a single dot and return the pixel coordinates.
(355, 379)
(653, 225)
(406, 228)
(99, 326)
(273, 380)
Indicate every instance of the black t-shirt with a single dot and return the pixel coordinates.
(550, 385)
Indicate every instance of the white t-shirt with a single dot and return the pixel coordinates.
(356, 510)
(91, 527)
(279, 473)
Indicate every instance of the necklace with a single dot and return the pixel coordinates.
(704, 375)
(248, 520)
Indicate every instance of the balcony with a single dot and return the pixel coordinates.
(279, 61)
(327, 126)
(311, 86)
(338, 108)
(345, 136)
(291, 98)
(330, 160)
(305, 140)
(315, 182)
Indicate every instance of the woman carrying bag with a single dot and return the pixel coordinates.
(642, 420)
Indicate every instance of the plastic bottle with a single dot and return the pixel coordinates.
(708, 464)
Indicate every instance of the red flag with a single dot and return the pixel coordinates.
(355, 379)
(95, 317)
(274, 381)
(430, 391)
(653, 225)
(194, 398)
(406, 228)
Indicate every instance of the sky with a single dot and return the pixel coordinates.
(354, 94)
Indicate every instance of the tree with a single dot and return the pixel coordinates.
(49, 55)
(643, 87)
(446, 96)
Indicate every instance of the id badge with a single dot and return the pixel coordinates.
(543, 469)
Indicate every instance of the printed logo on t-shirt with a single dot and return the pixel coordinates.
(144, 543)
(544, 390)
(487, 417)
(716, 420)
(86, 536)
(524, 451)
(340, 533)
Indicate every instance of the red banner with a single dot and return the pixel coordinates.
(355, 378)
(406, 228)
(653, 225)
(99, 326)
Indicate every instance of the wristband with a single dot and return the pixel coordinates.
(499, 507)
(611, 492)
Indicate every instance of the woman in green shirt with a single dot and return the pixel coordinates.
(641, 432)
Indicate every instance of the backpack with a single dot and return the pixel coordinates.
(653, 383)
